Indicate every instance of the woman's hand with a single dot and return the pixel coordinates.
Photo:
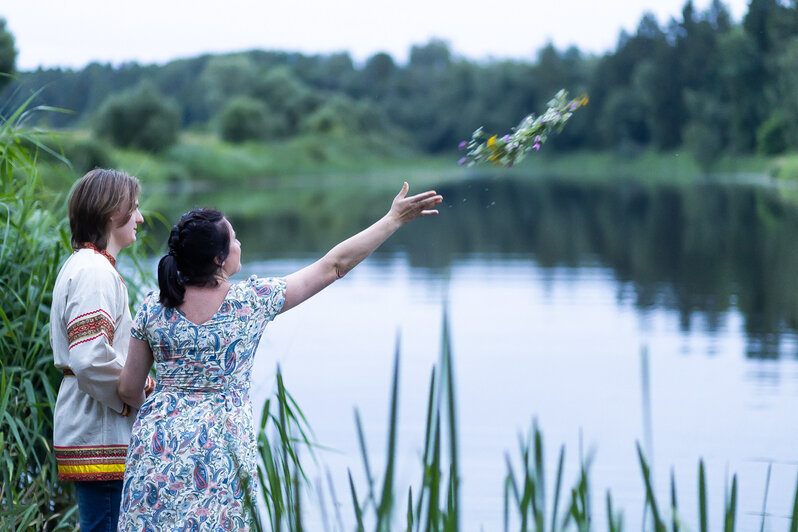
(406, 209)
(310, 280)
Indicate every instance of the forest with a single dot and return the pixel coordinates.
(700, 82)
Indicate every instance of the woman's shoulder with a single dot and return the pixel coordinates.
(90, 272)
(262, 285)
(256, 290)
(150, 302)
(88, 262)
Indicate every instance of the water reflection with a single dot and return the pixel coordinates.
(702, 250)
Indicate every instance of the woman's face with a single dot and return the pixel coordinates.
(123, 233)
(232, 264)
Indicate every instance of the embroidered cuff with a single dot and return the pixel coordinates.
(149, 386)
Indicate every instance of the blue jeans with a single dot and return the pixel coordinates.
(98, 505)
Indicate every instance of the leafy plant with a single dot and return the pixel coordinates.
(34, 238)
(139, 118)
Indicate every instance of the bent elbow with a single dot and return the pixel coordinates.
(126, 393)
(333, 269)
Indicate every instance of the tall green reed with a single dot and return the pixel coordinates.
(35, 241)
(435, 506)
(34, 238)
(283, 433)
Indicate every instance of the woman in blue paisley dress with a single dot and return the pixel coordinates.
(193, 440)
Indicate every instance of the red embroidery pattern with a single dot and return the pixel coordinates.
(104, 462)
(104, 253)
(90, 326)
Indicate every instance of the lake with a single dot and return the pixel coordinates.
(609, 313)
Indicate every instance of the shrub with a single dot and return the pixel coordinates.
(771, 137)
(342, 115)
(34, 238)
(704, 143)
(138, 118)
(245, 118)
(86, 154)
(8, 54)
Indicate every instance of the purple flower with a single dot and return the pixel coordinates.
(537, 139)
(536, 146)
(574, 105)
(506, 138)
(462, 145)
(462, 161)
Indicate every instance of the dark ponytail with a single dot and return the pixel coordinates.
(198, 244)
(172, 288)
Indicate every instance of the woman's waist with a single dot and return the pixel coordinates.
(201, 384)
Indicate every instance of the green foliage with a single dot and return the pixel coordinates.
(227, 76)
(138, 118)
(34, 241)
(284, 432)
(244, 118)
(81, 152)
(8, 54)
(772, 135)
(34, 238)
(288, 96)
(704, 142)
(786, 89)
(87, 153)
(342, 115)
(644, 92)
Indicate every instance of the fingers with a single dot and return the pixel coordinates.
(403, 192)
(419, 204)
(433, 200)
(424, 196)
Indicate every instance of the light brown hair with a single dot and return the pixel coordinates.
(97, 196)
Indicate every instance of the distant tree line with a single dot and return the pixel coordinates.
(700, 82)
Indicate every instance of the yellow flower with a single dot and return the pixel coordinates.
(492, 140)
(583, 100)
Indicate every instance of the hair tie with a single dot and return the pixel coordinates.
(172, 253)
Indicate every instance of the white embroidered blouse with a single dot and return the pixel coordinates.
(89, 333)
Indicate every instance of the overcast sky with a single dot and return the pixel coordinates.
(77, 32)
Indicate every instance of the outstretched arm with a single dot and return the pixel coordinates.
(310, 280)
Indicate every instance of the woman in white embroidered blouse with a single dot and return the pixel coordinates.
(89, 333)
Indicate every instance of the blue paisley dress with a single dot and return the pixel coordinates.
(193, 440)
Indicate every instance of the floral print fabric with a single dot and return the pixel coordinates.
(193, 443)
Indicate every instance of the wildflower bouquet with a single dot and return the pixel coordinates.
(530, 134)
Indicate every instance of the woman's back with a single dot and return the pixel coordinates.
(201, 303)
(194, 441)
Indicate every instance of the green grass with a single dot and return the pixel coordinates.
(34, 237)
(34, 242)
(311, 161)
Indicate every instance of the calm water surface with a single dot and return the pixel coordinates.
(611, 314)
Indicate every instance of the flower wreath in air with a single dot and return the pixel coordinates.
(528, 136)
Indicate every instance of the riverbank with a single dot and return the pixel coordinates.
(201, 161)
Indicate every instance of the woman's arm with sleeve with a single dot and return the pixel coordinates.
(135, 374)
(310, 280)
(90, 322)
